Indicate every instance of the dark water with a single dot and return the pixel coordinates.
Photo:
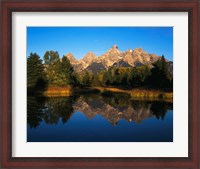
(97, 118)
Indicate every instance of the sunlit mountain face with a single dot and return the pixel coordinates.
(114, 57)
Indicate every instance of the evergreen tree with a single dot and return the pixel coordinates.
(86, 79)
(160, 75)
(95, 81)
(105, 80)
(51, 61)
(35, 72)
(51, 57)
(116, 77)
(138, 76)
(123, 76)
(64, 73)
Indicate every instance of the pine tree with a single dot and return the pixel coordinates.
(160, 75)
(64, 75)
(51, 61)
(35, 72)
(86, 78)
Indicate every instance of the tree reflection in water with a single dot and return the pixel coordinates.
(113, 108)
(49, 109)
(35, 107)
(58, 107)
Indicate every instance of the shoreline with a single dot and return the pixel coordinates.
(107, 91)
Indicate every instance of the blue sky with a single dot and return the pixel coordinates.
(81, 40)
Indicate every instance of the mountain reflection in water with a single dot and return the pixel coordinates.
(120, 107)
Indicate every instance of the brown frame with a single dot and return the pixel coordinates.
(9, 6)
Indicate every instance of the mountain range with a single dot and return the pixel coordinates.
(114, 57)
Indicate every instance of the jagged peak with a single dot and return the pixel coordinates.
(115, 46)
(128, 51)
(138, 49)
(89, 57)
(89, 54)
(70, 56)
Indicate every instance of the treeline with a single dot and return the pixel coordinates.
(157, 77)
(53, 71)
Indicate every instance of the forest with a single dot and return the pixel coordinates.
(55, 72)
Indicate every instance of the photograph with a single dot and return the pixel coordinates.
(99, 84)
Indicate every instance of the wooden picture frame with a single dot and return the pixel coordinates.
(10, 6)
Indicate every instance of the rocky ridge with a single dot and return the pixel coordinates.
(113, 56)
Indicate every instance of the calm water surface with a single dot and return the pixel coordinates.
(97, 118)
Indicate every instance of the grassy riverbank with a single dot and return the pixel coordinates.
(139, 93)
(108, 91)
(56, 91)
